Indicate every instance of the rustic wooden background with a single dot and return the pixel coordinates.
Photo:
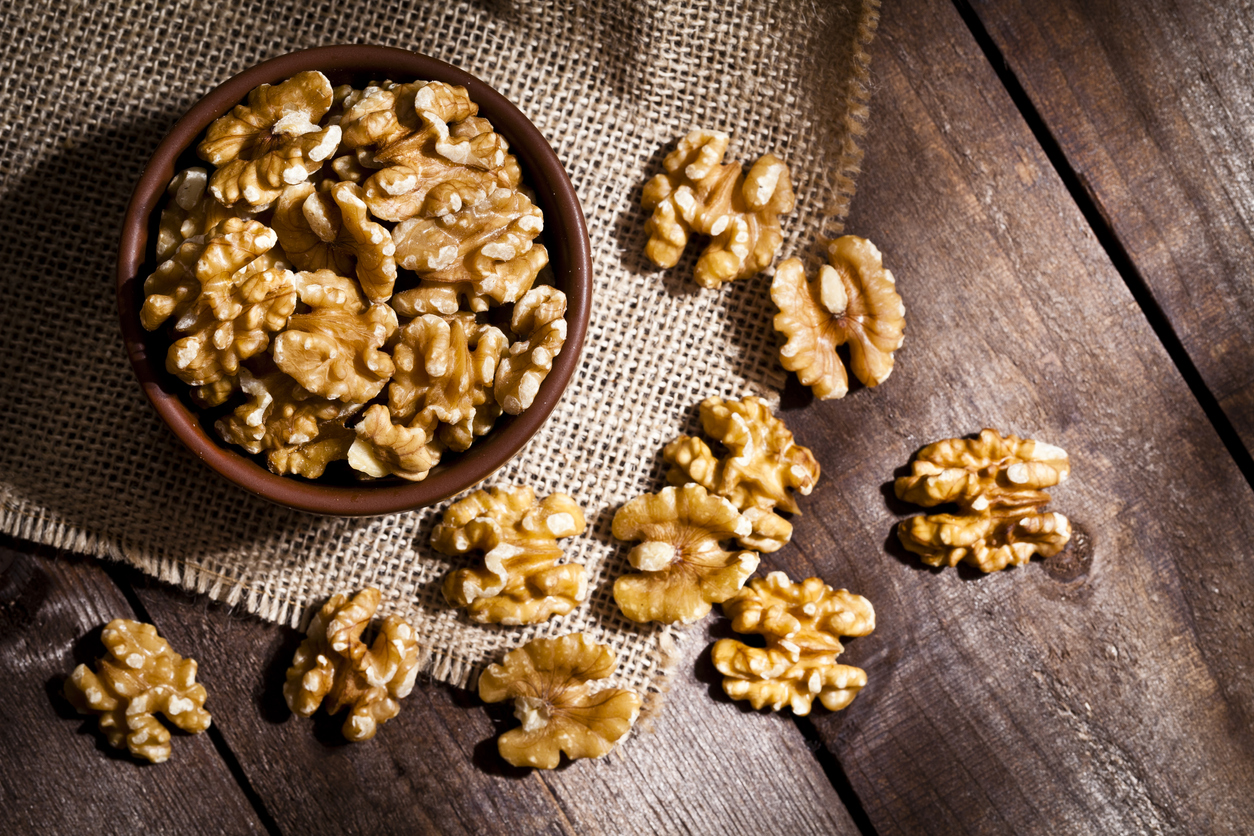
(1064, 190)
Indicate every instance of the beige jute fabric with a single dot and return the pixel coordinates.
(89, 90)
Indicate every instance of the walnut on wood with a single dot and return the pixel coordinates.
(271, 142)
(762, 465)
(520, 581)
(699, 193)
(997, 482)
(853, 300)
(550, 682)
(802, 624)
(332, 230)
(334, 350)
(140, 677)
(683, 568)
(335, 668)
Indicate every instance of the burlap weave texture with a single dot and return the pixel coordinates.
(89, 89)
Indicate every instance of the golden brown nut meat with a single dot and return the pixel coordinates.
(698, 193)
(439, 375)
(188, 213)
(539, 322)
(382, 448)
(854, 300)
(272, 142)
(520, 581)
(763, 463)
(335, 668)
(802, 623)
(997, 483)
(334, 349)
(138, 679)
(245, 294)
(683, 567)
(300, 432)
(332, 230)
(549, 682)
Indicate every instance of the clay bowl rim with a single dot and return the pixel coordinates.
(566, 236)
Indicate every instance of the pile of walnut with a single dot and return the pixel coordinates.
(337, 268)
(997, 484)
(853, 300)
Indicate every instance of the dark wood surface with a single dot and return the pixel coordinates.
(1071, 232)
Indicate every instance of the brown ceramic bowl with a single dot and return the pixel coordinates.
(565, 235)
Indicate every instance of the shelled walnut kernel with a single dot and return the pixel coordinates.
(997, 483)
(802, 624)
(549, 682)
(139, 678)
(520, 581)
(335, 668)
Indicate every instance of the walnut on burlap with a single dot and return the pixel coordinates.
(90, 89)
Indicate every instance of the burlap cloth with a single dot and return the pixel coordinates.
(90, 89)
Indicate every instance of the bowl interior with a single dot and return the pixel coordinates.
(338, 492)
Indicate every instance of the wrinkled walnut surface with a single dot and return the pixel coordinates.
(271, 142)
(853, 300)
(997, 482)
(539, 321)
(549, 682)
(762, 465)
(802, 624)
(683, 569)
(334, 668)
(699, 193)
(520, 581)
(140, 677)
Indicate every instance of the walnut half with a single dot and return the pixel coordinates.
(138, 679)
(549, 681)
(333, 666)
(802, 623)
(997, 484)
(854, 300)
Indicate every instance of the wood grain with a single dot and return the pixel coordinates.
(59, 775)
(1121, 699)
(1153, 105)
(704, 767)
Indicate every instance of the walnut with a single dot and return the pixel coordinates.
(550, 683)
(538, 320)
(996, 481)
(683, 569)
(490, 245)
(382, 448)
(438, 374)
(698, 193)
(172, 288)
(334, 349)
(334, 667)
(271, 142)
(762, 463)
(188, 213)
(245, 294)
(331, 230)
(139, 678)
(520, 581)
(440, 298)
(853, 300)
(802, 624)
(436, 156)
(300, 432)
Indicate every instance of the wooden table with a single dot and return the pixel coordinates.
(1065, 191)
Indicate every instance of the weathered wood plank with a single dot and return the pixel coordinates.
(1120, 700)
(59, 775)
(1153, 106)
(704, 767)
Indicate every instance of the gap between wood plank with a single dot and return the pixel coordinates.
(118, 574)
(1110, 242)
(835, 773)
